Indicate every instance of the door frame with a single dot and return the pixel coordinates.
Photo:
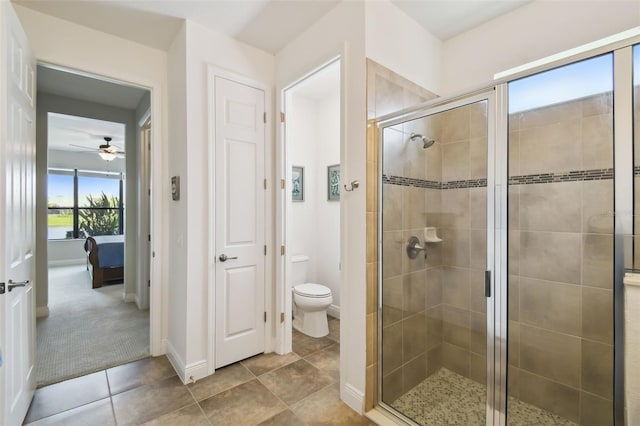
(284, 302)
(213, 72)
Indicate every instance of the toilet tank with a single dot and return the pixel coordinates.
(299, 265)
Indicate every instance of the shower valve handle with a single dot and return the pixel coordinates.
(414, 247)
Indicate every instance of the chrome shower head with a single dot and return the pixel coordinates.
(426, 142)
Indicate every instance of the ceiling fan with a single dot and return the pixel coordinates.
(106, 151)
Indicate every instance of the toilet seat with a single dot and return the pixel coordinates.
(312, 290)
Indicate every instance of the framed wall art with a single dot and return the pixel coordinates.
(333, 182)
(297, 183)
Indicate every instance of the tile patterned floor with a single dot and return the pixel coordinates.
(301, 388)
(447, 398)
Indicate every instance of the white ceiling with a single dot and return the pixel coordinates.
(85, 88)
(321, 84)
(65, 131)
(265, 24)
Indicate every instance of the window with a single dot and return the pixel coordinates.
(83, 203)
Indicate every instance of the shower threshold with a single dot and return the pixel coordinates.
(447, 398)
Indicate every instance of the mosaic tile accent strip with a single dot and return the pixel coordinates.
(405, 181)
(447, 398)
(431, 184)
(471, 183)
(573, 176)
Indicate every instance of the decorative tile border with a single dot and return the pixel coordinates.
(405, 181)
(431, 184)
(573, 176)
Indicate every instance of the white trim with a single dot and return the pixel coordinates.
(176, 361)
(42, 311)
(334, 311)
(144, 118)
(352, 397)
(188, 373)
(214, 71)
(196, 371)
(570, 55)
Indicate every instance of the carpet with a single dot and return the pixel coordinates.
(87, 329)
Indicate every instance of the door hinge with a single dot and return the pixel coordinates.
(264, 117)
(282, 183)
(281, 316)
(2, 288)
(265, 184)
(148, 283)
(149, 237)
(265, 317)
(487, 283)
(281, 250)
(149, 192)
(265, 250)
(282, 117)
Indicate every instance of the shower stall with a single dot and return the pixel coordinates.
(505, 229)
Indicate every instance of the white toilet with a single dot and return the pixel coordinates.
(310, 301)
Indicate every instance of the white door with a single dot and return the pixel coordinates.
(17, 239)
(239, 221)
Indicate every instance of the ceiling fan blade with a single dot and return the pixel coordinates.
(84, 147)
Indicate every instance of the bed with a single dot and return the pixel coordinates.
(105, 258)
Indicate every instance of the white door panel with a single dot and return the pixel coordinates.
(17, 227)
(239, 221)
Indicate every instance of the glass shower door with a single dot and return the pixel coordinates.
(560, 252)
(433, 309)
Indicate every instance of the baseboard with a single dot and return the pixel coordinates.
(187, 373)
(334, 311)
(352, 397)
(196, 371)
(130, 297)
(68, 262)
(42, 311)
(176, 361)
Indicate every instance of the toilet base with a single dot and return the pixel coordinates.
(314, 324)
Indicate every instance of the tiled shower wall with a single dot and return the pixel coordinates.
(561, 259)
(461, 220)
(435, 309)
(388, 92)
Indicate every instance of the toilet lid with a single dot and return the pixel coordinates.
(312, 290)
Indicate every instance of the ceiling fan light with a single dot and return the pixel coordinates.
(107, 156)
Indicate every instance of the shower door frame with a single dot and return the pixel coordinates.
(621, 46)
(492, 238)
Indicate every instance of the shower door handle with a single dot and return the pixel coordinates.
(487, 283)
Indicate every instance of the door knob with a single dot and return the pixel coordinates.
(13, 284)
(224, 257)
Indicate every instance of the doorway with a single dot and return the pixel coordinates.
(312, 143)
(92, 173)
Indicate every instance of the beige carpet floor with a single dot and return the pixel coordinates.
(87, 329)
